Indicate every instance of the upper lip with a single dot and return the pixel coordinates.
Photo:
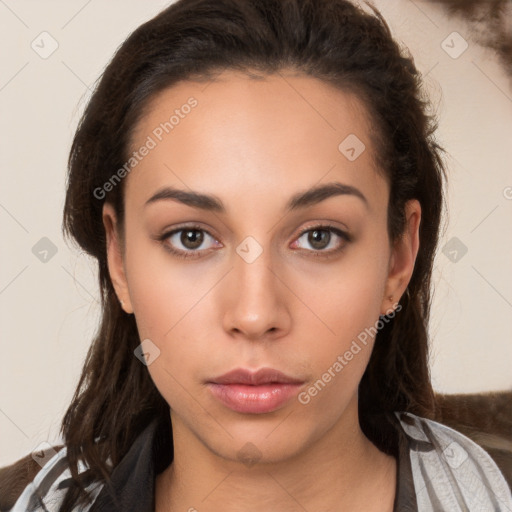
(261, 376)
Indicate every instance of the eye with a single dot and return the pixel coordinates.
(187, 242)
(323, 239)
(190, 241)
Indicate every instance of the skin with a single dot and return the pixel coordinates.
(253, 144)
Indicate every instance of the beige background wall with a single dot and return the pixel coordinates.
(49, 309)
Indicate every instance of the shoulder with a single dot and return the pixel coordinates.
(452, 470)
(27, 485)
(44, 488)
(15, 477)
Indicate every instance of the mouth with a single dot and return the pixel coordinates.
(259, 392)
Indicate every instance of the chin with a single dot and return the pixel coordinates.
(264, 443)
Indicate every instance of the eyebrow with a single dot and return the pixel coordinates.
(298, 201)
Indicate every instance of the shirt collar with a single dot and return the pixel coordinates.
(133, 479)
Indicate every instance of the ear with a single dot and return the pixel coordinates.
(403, 258)
(115, 258)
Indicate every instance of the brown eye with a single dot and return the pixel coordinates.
(319, 238)
(188, 241)
(323, 240)
(191, 238)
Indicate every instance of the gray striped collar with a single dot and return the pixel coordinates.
(439, 469)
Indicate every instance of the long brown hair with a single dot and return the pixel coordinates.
(332, 40)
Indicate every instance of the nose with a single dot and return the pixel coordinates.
(256, 300)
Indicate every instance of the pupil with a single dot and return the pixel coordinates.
(315, 238)
(192, 238)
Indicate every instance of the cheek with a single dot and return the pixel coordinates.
(163, 291)
(339, 358)
(170, 311)
(345, 303)
(343, 298)
(172, 308)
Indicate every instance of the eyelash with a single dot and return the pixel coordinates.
(196, 253)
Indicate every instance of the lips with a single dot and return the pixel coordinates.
(262, 376)
(259, 392)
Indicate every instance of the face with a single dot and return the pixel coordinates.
(259, 272)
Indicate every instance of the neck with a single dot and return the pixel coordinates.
(343, 470)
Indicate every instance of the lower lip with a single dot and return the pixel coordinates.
(254, 399)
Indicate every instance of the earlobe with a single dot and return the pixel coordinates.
(403, 258)
(115, 258)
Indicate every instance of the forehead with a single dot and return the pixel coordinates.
(241, 133)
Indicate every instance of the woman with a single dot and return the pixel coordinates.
(260, 185)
